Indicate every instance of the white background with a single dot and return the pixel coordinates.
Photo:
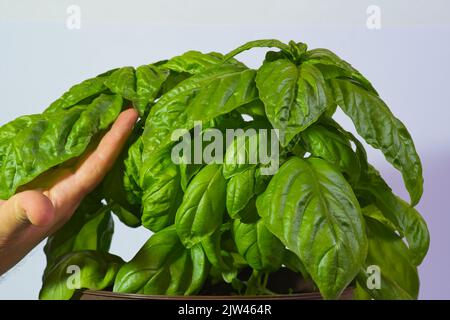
(407, 60)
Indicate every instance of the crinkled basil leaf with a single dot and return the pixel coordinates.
(194, 62)
(240, 190)
(382, 130)
(51, 139)
(242, 154)
(140, 86)
(331, 145)
(294, 96)
(87, 269)
(149, 80)
(334, 67)
(255, 148)
(359, 148)
(164, 267)
(205, 144)
(161, 191)
(259, 247)
(201, 97)
(312, 209)
(78, 93)
(406, 219)
(390, 256)
(201, 211)
(123, 82)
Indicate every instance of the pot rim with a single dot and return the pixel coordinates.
(99, 294)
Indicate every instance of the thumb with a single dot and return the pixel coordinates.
(23, 210)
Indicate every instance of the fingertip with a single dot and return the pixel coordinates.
(129, 117)
(120, 130)
(131, 111)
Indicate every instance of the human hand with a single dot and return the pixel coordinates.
(30, 216)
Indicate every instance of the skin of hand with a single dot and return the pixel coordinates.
(30, 216)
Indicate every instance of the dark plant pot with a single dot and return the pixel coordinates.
(281, 282)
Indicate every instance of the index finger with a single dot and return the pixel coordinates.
(95, 166)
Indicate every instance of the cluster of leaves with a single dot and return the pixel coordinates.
(327, 213)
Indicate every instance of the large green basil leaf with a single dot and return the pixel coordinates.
(382, 130)
(7, 134)
(387, 251)
(9, 130)
(149, 81)
(163, 266)
(240, 190)
(244, 151)
(162, 191)
(312, 209)
(140, 85)
(201, 212)
(97, 271)
(201, 97)
(260, 248)
(333, 146)
(188, 163)
(406, 219)
(359, 148)
(90, 228)
(294, 97)
(242, 154)
(123, 82)
(80, 92)
(264, 43)
(50, 139)
(334, 67)
(194, 62)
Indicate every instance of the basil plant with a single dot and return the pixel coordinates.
(326, 213)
